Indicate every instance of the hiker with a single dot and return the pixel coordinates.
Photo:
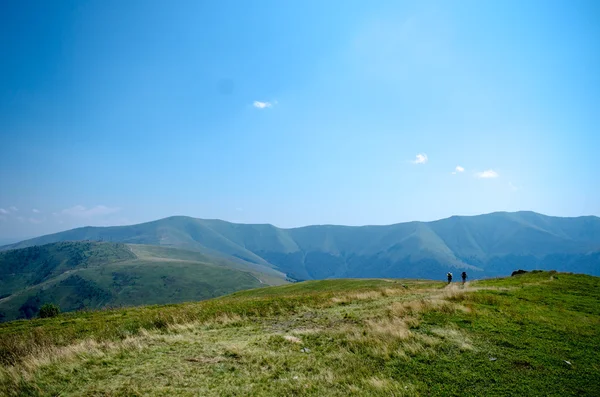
(449, 277)
(464, 277)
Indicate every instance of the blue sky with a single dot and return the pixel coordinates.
(296, 113)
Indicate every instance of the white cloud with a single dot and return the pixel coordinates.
(262, 105)
(79, 211)
(512, 187)
(239, 209)
(420, 158)
(37, 221)
(487, 174)
(35, 211)
(458, 169)
(3, 211)
(13, 209)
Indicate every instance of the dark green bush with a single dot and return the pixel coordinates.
(49, 310)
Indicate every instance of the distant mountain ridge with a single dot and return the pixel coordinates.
(483, 245)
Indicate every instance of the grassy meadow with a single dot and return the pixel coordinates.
(533, 334)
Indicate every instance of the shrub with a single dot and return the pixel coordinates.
(49, 310)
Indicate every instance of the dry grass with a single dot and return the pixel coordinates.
(225, 319)
(395, 328)
(51, 355)
(416, 307)
(381, 384)
(370, 295)
(455, 337)
(293, 339)
(359, 296)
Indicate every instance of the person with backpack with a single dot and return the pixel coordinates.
(449, 275)
(464, 277)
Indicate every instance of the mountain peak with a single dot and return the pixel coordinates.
(489, 244)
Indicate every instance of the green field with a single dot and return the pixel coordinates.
(533, 334)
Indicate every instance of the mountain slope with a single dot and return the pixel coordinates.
(91, 275)
(485, 245)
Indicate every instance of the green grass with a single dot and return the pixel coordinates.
(508, 336)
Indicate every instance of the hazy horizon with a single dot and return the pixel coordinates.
(343, 113)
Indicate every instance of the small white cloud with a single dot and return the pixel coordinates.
(79, 211)
(420, 158)
(13, 209)
(35, 211)
(512, 187)
(20, 219)
(36, 221)
(239, 209)
(458, 169)
(3, 211)
(262, 105)
(487, 174)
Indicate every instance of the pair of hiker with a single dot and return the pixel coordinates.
(464, 277)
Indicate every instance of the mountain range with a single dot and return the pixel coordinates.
(484, 246)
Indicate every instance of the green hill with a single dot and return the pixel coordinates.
(485, 246)
(92, 275)
(532, 334)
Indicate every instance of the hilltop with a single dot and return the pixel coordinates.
(532, 334)
(93, 275)
(485, 246)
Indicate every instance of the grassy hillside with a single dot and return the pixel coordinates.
(485, 246)
(534, 334)
(34, 265)
(92, 275)
(265, 274)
